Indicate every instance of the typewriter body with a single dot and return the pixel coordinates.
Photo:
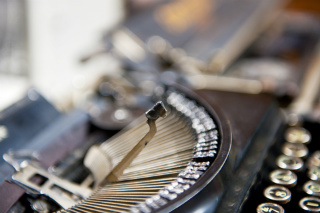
(239, 135)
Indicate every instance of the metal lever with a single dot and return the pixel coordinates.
(38, 181)
(64, 192)
(153, 114)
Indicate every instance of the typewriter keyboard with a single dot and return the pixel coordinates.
(290, 178)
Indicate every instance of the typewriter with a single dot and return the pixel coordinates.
(202, 118)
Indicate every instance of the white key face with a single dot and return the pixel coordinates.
(289, 163)
(297, 135)
(310, 204)
(283, 177)
(295, 150)
(270, 208)
(278, 194)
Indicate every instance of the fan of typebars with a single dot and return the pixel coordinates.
(143, 168)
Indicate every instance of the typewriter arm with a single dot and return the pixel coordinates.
(153, 114)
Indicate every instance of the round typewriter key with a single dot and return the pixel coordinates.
(269, 208)
(278, 194)
(289, 163)
(314, 160)
(312, 188)
(283, 177)
(310, 204)
(314, 173)
(297, 135)
(295, 150)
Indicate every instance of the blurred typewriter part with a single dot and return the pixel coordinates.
(13, 53)
(274, 61)
(114, 60)
(194, 50)
(42, 43)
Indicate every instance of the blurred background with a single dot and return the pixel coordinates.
(42, 43)
(68, 50)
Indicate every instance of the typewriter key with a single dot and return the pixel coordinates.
(312, 188)
(283, 177)
(314, 173)
(270, 208)
(278, 194)
(295, 150)
(289, 163)
(314, 160)
(297, 135)
(310, 204)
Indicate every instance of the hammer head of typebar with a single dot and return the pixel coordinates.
(158, 110)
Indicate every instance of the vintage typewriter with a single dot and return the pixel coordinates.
(184, 128)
